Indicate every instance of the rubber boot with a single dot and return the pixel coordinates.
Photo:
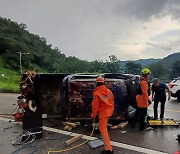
(107, 152)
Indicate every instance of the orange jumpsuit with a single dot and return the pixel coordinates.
(142, 103)
(142, 99)
(103, 105)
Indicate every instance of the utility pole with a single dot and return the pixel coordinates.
(20, 59)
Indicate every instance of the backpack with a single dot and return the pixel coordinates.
(139, 90)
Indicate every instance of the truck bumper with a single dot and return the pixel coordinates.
(173, 95)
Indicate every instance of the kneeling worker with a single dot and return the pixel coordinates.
(159, 95)
(103, 106)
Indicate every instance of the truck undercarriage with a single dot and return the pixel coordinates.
(70, 96)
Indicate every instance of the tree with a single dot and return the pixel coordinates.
(112, 66)
(176, 69)
(23, 26)
(158, 70)
(112, 58)
(133, 68)
(96, 66)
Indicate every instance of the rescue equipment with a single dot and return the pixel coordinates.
(164, 122)
(71, 148)
(20, 109)
(24, 106)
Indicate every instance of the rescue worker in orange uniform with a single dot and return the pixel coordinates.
(143, 100)
(103, 106)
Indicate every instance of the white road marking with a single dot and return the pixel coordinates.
(6, 119)
(117, 144)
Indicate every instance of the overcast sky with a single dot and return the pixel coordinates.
(95, 29)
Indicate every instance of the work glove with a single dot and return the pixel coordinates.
(93, 122)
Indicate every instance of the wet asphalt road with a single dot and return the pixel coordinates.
(158, 139)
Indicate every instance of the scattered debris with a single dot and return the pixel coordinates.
(74, 139)
(94, 144)
(121, 125)
(44, 116)
(8, 127)
(70, 124)
(123, 132)
(15, 132)
(67, 128)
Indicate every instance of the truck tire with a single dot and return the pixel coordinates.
(178, 97)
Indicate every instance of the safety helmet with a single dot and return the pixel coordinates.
(100, 79)
(145, 71)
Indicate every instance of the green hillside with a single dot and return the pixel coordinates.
(170, 59)
(147, 62)
(9, 80)
(42, 57)
(166, 68)
(143, 62)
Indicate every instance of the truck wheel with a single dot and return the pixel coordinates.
(178, 98)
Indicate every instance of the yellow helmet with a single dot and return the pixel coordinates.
(145, 71)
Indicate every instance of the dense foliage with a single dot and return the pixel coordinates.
(132, 67)
(176, 69)
(159, 70)
(42, 57)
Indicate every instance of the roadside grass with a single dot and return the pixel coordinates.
(9, 79)
(9, 87)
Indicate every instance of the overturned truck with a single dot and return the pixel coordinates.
(69, 96)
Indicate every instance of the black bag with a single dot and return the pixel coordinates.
(32, 122)
(139, 90)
